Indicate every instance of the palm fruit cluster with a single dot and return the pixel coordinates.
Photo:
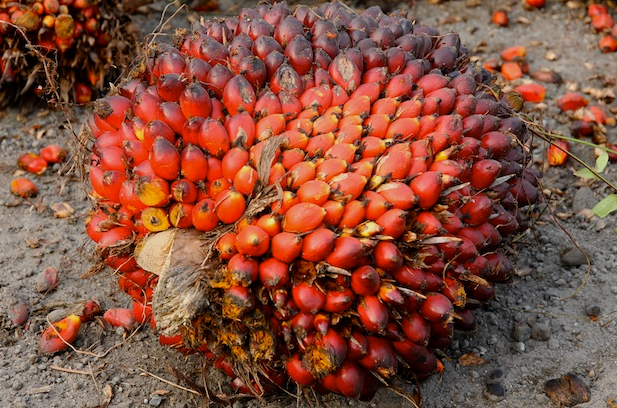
(72, 45)
(354, 179)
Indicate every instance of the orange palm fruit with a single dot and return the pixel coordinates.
(60, 334)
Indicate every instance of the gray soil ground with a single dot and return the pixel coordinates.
(537, 328)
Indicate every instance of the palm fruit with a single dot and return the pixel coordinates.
(314, 196)
(63, 49)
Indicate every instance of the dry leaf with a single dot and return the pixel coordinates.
(471, 360)
(62, 210)
(161, 392)
(524, 271)
(33, 243)
(568, 390)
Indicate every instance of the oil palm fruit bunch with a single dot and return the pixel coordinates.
(70, 45)
(313, 197)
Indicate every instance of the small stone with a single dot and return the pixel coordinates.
(553, 344)
(156, 400)
(496, 376)
(520, 347)
(458, 397)
(238, 404)
(593, 310)
(571, 256)
(521, 332)
(541, 332)
(494, 392)
(583, 199)
(542, 399)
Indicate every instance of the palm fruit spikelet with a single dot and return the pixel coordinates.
(309, 196)
(66, 50)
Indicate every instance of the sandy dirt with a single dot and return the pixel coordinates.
(539, 327)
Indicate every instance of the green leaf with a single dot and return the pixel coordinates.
(585, 173)
(601, 161)
(606, 206)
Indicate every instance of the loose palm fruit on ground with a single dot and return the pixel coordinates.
(66, 50)
(330, 214)
(59, 335)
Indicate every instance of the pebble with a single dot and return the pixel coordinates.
(238, 404)
(593, 310)
(496, 376)
(541, 332)
(542, 399)
(521, 332)
(583, 199)
(571, 256)
(155, 401)
(520, 347)
(457, 397)
(494, 392)
(553, 344)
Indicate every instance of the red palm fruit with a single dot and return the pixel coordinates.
(273, 274)
(245, 180)
(180, 215)
(500, 17)
(97, 224)
(252, 241)
(112, 110)
(33, 163)
(213, 138)
(595, 114)
(399, 85)
(217, 187)
(195, 101)
(242, 270)
(169, 87)
(351, 133)
(349, 379)
(427, 186)
(165, 159)
(281, 206)
(314, 191)
(393, 222)
(155, 129)
(602, 21)
(452, 171)
(410, 108)
(339, 96)
(427, 223)
(107, 183)
(376, 205)
(233, 161)
(345, 72)
(226, 245)
(431, 82)
(155, 219)
(267, 103)
(300, 173)
(492, 237)
(571, 101)
(302, 217)
(203, 215)
(398, 194)
(416, 328)
(403, 128)
(380, 357)
(360, 105)
(60, 334)
(324, 124)
(501, 267)
(330, 168)
(271, 125)
(338, 301)
(134, 152)
(286, 247)
(595, 9)
(290, 104)
(377, 125)
(303, 125)
(386, 106)
(459, 248)
(370, 89)
(498, 144)
(319, 144)
(511, 70)
(473, 235)
(193, 164)
(347, 186)
(465, 105)
(608, 43)
(291, 157)
(582, 128)
(451, 223)
(348, 253)
(365, 281)
(229, 206)
(558, 152)
(271, 223)
(353, 214)
(308, 298)
(476, 210)
(24, 188)
(197, 69)
(363, 167)
(504, 221)
(119, 317)
(287, 79)
(334, 212)
(411, 278)
(395, 164)
(484, 173)
(298, 372)
(427, 125)
(294, 139)
(373, 314)
(190, 130)
(436, 308)
(299, 53)
(239, 96)
(319, 97)
(514, 53)
(53, 153)
(141, 312)
(531, 92)
(388, 293)
(344, 151)
(216, 81)
(237, 301)
(440, 101)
